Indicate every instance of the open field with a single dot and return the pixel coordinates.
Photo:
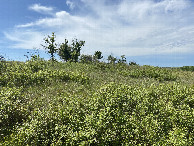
(45, 103)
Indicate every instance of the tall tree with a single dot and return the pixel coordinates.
(51, 46)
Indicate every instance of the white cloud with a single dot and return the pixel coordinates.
(28, 39)
(127, 27)
(41, 9)
(25, 25)
(70, 4)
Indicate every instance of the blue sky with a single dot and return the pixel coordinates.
(152, 32)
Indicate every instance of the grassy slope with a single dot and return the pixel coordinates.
(101, 104)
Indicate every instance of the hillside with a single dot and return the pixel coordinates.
(55, 103)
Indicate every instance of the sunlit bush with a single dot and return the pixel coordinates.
(12, 111)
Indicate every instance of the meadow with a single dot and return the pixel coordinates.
(67, 103)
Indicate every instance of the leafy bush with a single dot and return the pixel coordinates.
(12, 110)
(132, 63)
(36, 63)
(188, 68)
(45, 103)
(134, 115)
(160, 74)
(62, 122)
(3, 67)
(24, 79)
(86, 59)
(116, 114)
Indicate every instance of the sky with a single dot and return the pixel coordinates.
(148, 32)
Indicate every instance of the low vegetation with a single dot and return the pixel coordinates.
(88, 102)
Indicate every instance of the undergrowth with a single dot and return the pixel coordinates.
(55, 103)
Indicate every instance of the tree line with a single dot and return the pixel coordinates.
(71, 52)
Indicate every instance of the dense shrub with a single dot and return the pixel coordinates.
(55, 103)
(117, 114)
(35, 72)
(160, 74)
(12, 109)
(188, 68)
(86, 58)
(135, 115)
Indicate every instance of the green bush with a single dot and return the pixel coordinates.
(160, 74)
(12, 110)
(134, 115)
(116, 114)
(188, 68)
(55, 103)
(34, 73)
(3, 65)
(86, 59)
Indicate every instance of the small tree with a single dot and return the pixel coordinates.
(76, 48)
(123, 59)
(2, 58)
(98, 55)
(2, 64)
(70, 53)
(112, 59)
(86, 58)
(51, 46)
(65, 51)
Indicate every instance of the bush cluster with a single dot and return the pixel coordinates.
(56, 103)
(116, 114)
(160, 74)
(12, 109)
(35, 72)
(188, 68)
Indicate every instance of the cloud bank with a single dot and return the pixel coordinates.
(133, 28)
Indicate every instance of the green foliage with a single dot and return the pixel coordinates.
(36, 63)
(91, 59)
(188, 68)
(116, 114)
(131, 115)
(57, 103)
(2, 58)
(132, 63)
(70, 53)
(123, 59)
(24, 79)
(157, 73)
(111, 59)
(12, 109)
(65, 51)
(35, 72)
(98, 55)
(86, 58)
(3, 65)
(51, 46)
(76, 48)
